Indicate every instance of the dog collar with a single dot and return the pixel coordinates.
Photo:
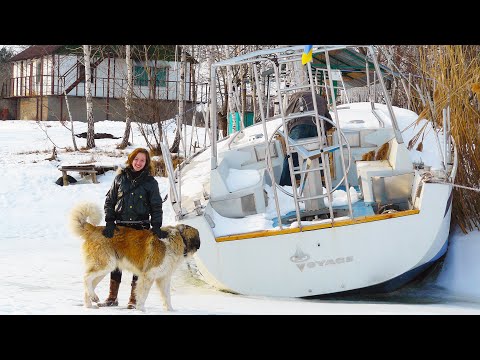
(185, 245)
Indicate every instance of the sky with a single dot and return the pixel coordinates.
(42, 264)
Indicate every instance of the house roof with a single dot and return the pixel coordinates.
(36, 51)
(160, 52)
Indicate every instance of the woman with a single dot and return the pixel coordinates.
(134, 201)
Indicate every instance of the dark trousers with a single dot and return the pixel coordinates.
(285, 177)
(116, 274)
(298, 132)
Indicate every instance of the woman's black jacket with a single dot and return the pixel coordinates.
(133, 198)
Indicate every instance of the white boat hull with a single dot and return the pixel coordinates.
(328, 260)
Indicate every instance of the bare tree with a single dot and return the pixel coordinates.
(150, 113)
(70, 116)
(88, 97)
(128, 99)
(231, 101)
(5, 69)
(403, 60)
(175, 148)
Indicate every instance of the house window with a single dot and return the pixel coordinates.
(141, 76)
(160, 76)
(39, 71)
(81, 72)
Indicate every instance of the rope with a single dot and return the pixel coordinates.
(459, 186)
(428, 177)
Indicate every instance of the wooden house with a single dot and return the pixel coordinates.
(42, 76)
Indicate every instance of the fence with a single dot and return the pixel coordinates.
(45, 85)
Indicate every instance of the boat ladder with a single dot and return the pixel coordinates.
(313, 159)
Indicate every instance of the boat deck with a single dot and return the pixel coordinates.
(360, 209)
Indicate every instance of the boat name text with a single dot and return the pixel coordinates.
(325, 262)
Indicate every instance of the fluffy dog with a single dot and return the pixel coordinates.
(139, 251)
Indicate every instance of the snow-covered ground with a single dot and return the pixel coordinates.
(41, 262)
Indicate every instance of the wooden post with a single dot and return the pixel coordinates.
(65, 179)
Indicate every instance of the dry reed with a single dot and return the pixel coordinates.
(159, 165)
(452, 76)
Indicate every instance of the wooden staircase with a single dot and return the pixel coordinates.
(81, 73)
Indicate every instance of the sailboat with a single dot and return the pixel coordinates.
(347, 221)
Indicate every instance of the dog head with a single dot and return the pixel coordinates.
(191, 238)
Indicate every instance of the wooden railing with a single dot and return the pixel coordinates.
(31, 86)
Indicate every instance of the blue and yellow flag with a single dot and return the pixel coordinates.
(307, 54)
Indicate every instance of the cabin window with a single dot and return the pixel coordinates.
(81, 72)
(141, 75)
(161, 76)
(38, 71)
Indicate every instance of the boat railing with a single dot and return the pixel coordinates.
(318, 154)
(289, 76)
(299, 145)
(173, 177)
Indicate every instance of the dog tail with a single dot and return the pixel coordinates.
(79, 215)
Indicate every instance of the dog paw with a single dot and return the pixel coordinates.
(95, 298)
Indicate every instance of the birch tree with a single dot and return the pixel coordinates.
(181, 105)
(70, 117)
(88, 98)
(231, 95)
(152, 110)
(5, 67)
(210, 60)
(128, 99)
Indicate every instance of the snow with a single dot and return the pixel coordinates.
(41, 262)
(239, 179)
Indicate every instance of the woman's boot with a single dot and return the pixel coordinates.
(112, 296)
(132, 302)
